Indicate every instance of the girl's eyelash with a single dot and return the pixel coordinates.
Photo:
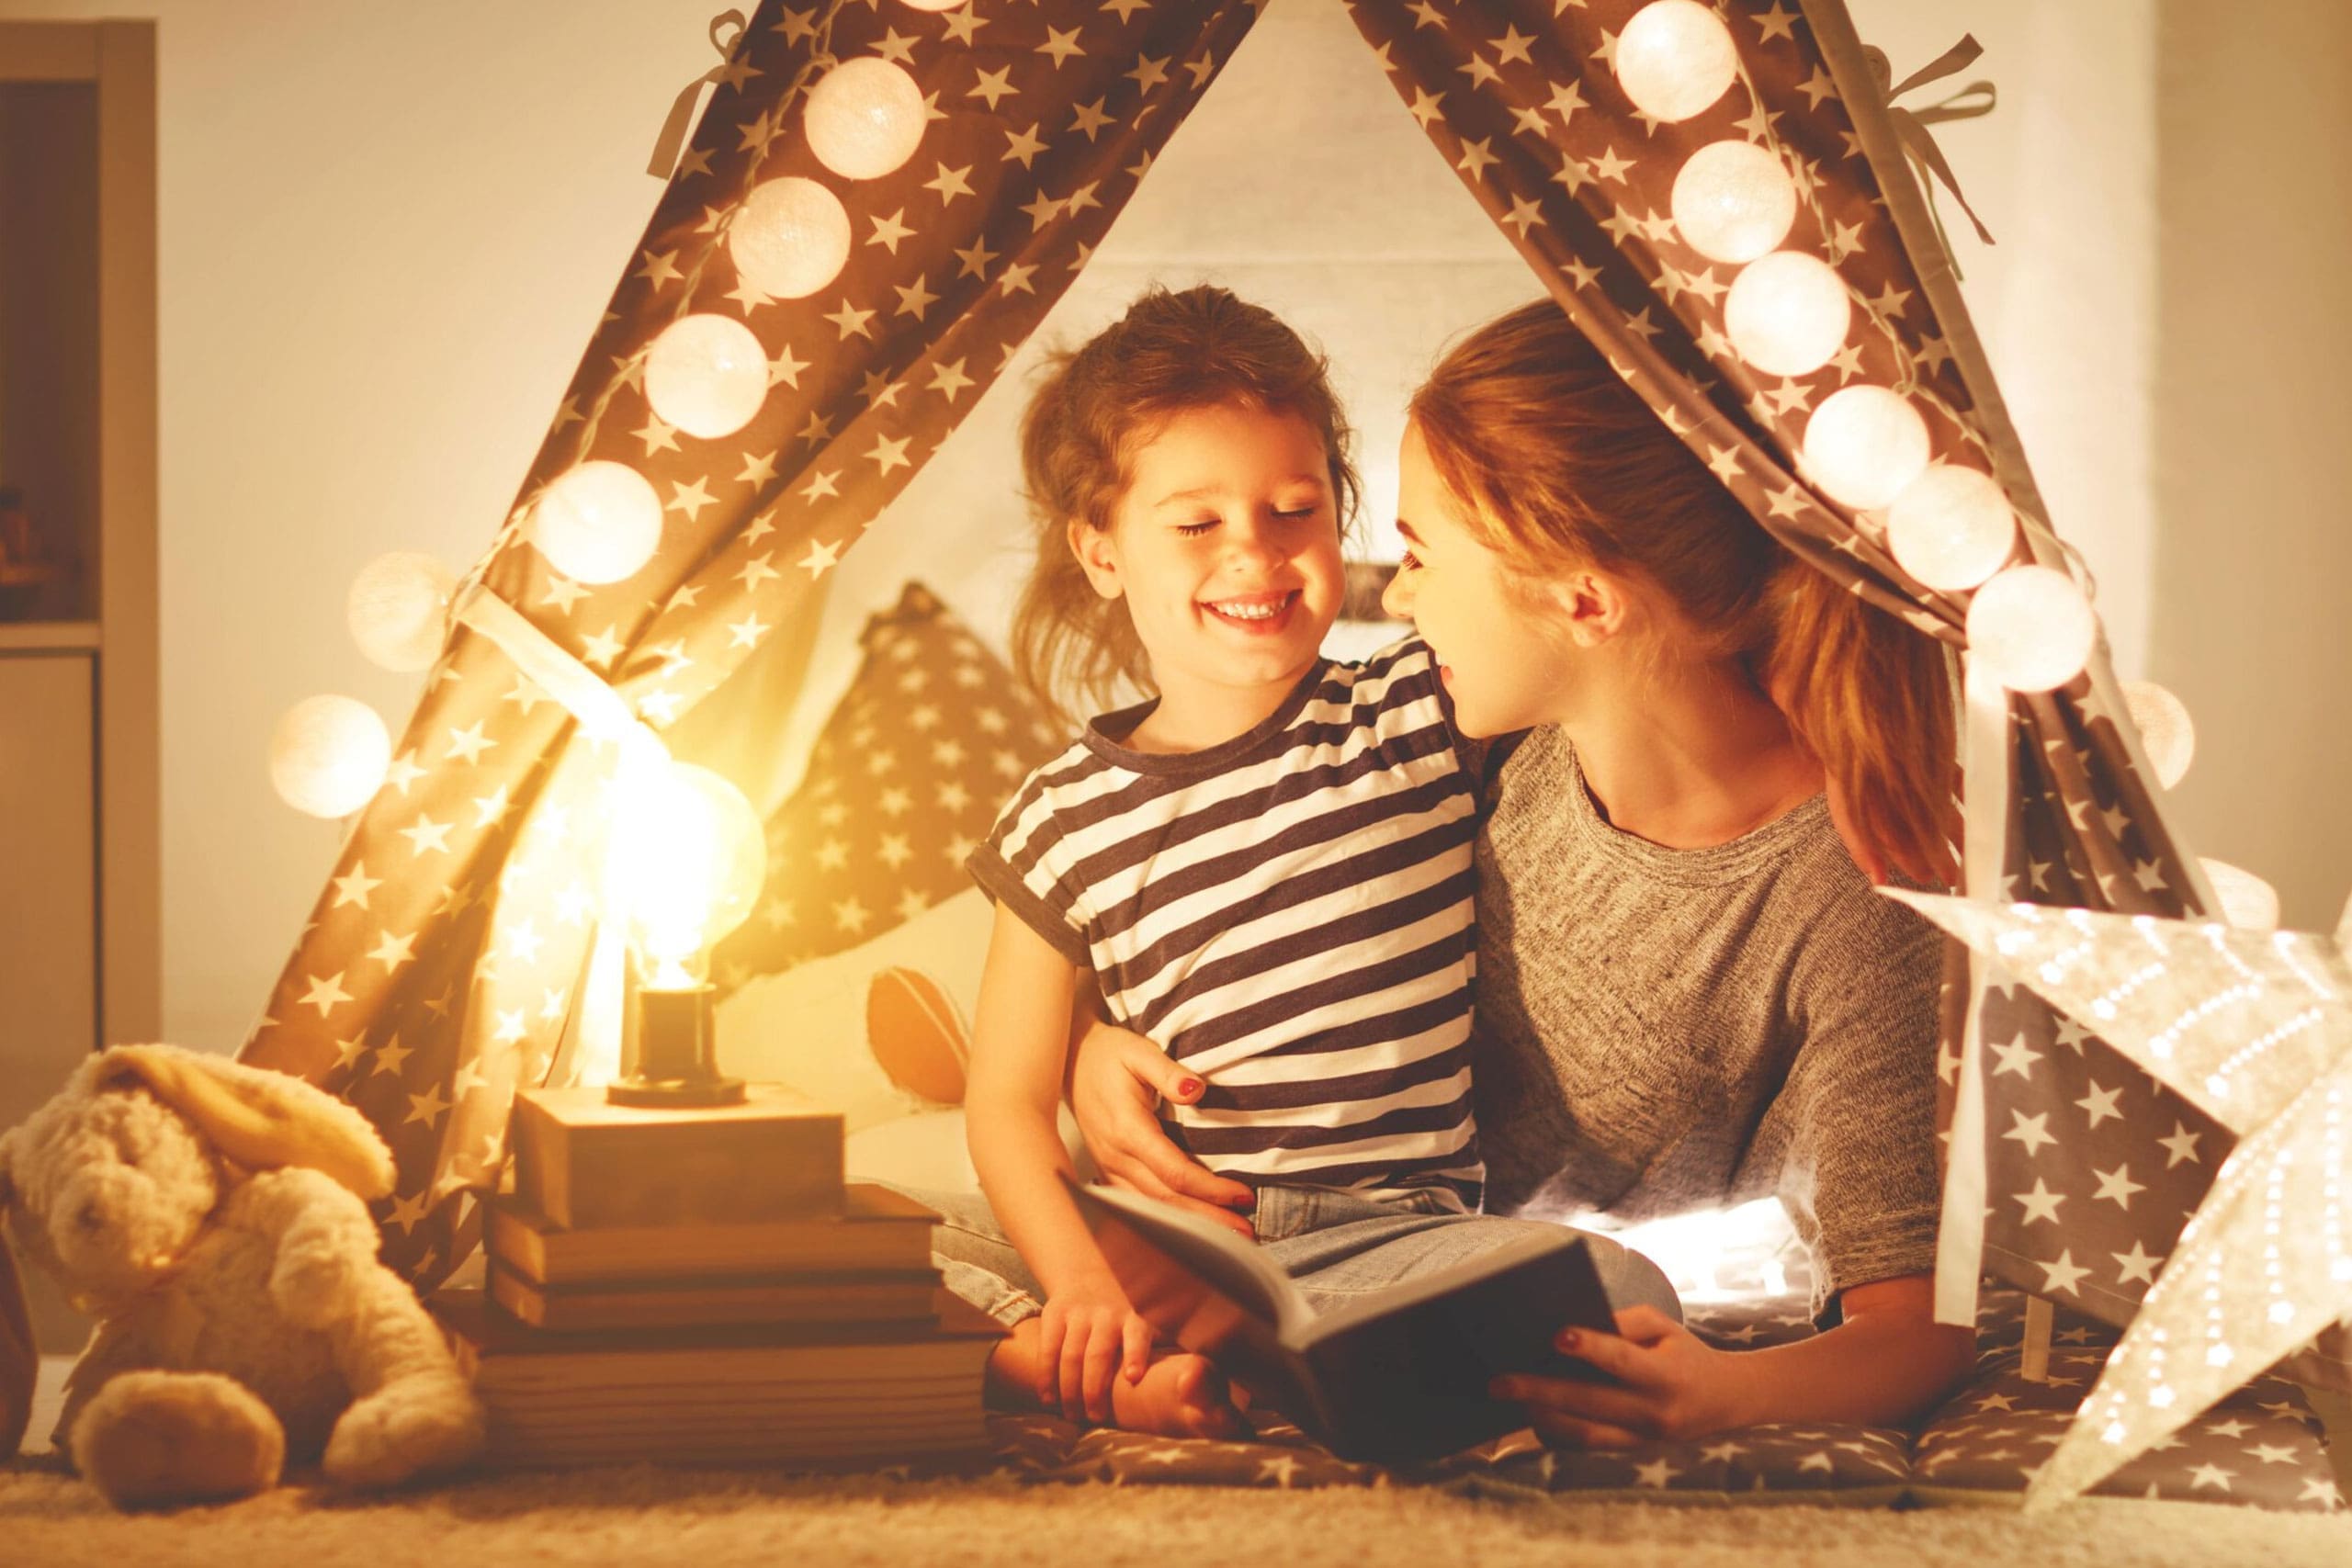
(1411, 563)
(1202, 527)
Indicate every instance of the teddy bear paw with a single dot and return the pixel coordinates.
(405, 1429)
(152, 1439)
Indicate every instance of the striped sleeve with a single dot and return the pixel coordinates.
(1016, 867)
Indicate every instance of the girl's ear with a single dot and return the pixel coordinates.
(1593, 606)
(1096, 557)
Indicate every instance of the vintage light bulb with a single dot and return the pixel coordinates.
(598, 522)
(1787, 313)
(2248, 902)
(328, 755)
(692, 860)
(1675, 58)
(706, 374)
(1864, 444)
(2031, 627)
(398, 609)
(789, 238)
(1952, 527)
(864, 117)
(2166, 732)
(1732, 201)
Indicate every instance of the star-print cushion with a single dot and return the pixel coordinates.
(2261, 1447)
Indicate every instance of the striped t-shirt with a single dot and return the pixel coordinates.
(1289, 913)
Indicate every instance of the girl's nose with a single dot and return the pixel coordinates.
(1397, 597)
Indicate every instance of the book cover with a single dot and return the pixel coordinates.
(901, 1298)
(878, 1231)
(585, 1163)
(1400, 1374)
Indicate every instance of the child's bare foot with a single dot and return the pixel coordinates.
(1180, 1395)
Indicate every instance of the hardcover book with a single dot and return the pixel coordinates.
(900, 1297)
(878, 1231)
(586, 1163)
(1396, 1376)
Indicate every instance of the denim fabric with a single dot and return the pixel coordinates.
(1336, 1244)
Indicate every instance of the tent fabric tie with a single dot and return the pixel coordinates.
(1971, 102)
(672, 139)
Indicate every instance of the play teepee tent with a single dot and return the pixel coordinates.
(881, 201)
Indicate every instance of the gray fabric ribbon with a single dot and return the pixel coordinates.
(672, 138)
(1976, 99)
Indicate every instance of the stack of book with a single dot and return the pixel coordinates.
(703, 1287)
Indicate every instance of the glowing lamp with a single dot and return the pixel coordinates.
(864, 117)
(1952, 527)
(328, 755)
(2031, 627)
(790, 237)
(1787, 313)
(1675, 58)
(1864, 444)
(398, 610)
(598, 522)
(690, 862)
(706, 375)
(1734, 202)
(2166, 733)
(2248, 902)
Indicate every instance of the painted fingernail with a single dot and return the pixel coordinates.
(1568, 1339)
(1188, 1086)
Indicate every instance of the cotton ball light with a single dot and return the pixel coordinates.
(598, 522)
(328, 755)
(1865, 445)
(1952, 527)
(398, 608)
(2248, 902)
(1675, 58)
(2031, 627)
(932, 5)
(1734, 202)
(1787, 313)
(708, 374)
(789, 238)
(2166, 732)
(864, 117)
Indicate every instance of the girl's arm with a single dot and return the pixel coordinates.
(1887, 1363)
(1115, 1077)
(1012, 1093)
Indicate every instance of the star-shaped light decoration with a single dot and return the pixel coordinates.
(2256, 1028)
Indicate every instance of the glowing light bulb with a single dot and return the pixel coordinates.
(864, 117)
(1952, 527)
(932, 4)
(398, 609)
(1864, 444)
(598, 522)
(1787, 313)
(2248, 902)
(789, 238)
(2031, 627)
(1675, 58)
(328, 755)
(1732, 201)
(692, 861)
(2166, 732)
(706, 375)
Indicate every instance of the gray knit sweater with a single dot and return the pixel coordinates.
(1667, 1030)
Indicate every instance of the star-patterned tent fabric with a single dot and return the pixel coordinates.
(1520, 98)
(447, 955)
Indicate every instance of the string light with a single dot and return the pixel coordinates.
(932, 4)
(2031, 627)
(1675, 58)
(328, 755)
(2248, 902)
(789, 238)
(706, 375)
(1732, 201)
(1864, 444)
(598, 522)
(864, 117)
(1787, 313)
(2166, 733)
(1952, 527)
(398, 610)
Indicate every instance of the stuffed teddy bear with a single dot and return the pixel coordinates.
(212, 1217)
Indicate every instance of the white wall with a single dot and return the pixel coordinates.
(385, 229)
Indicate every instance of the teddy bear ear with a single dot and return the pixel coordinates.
(262, 1119)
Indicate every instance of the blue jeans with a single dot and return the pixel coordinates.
(1337, 1244)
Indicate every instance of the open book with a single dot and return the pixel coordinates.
(1400, 1374)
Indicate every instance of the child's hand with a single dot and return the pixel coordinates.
(1089, 1335)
